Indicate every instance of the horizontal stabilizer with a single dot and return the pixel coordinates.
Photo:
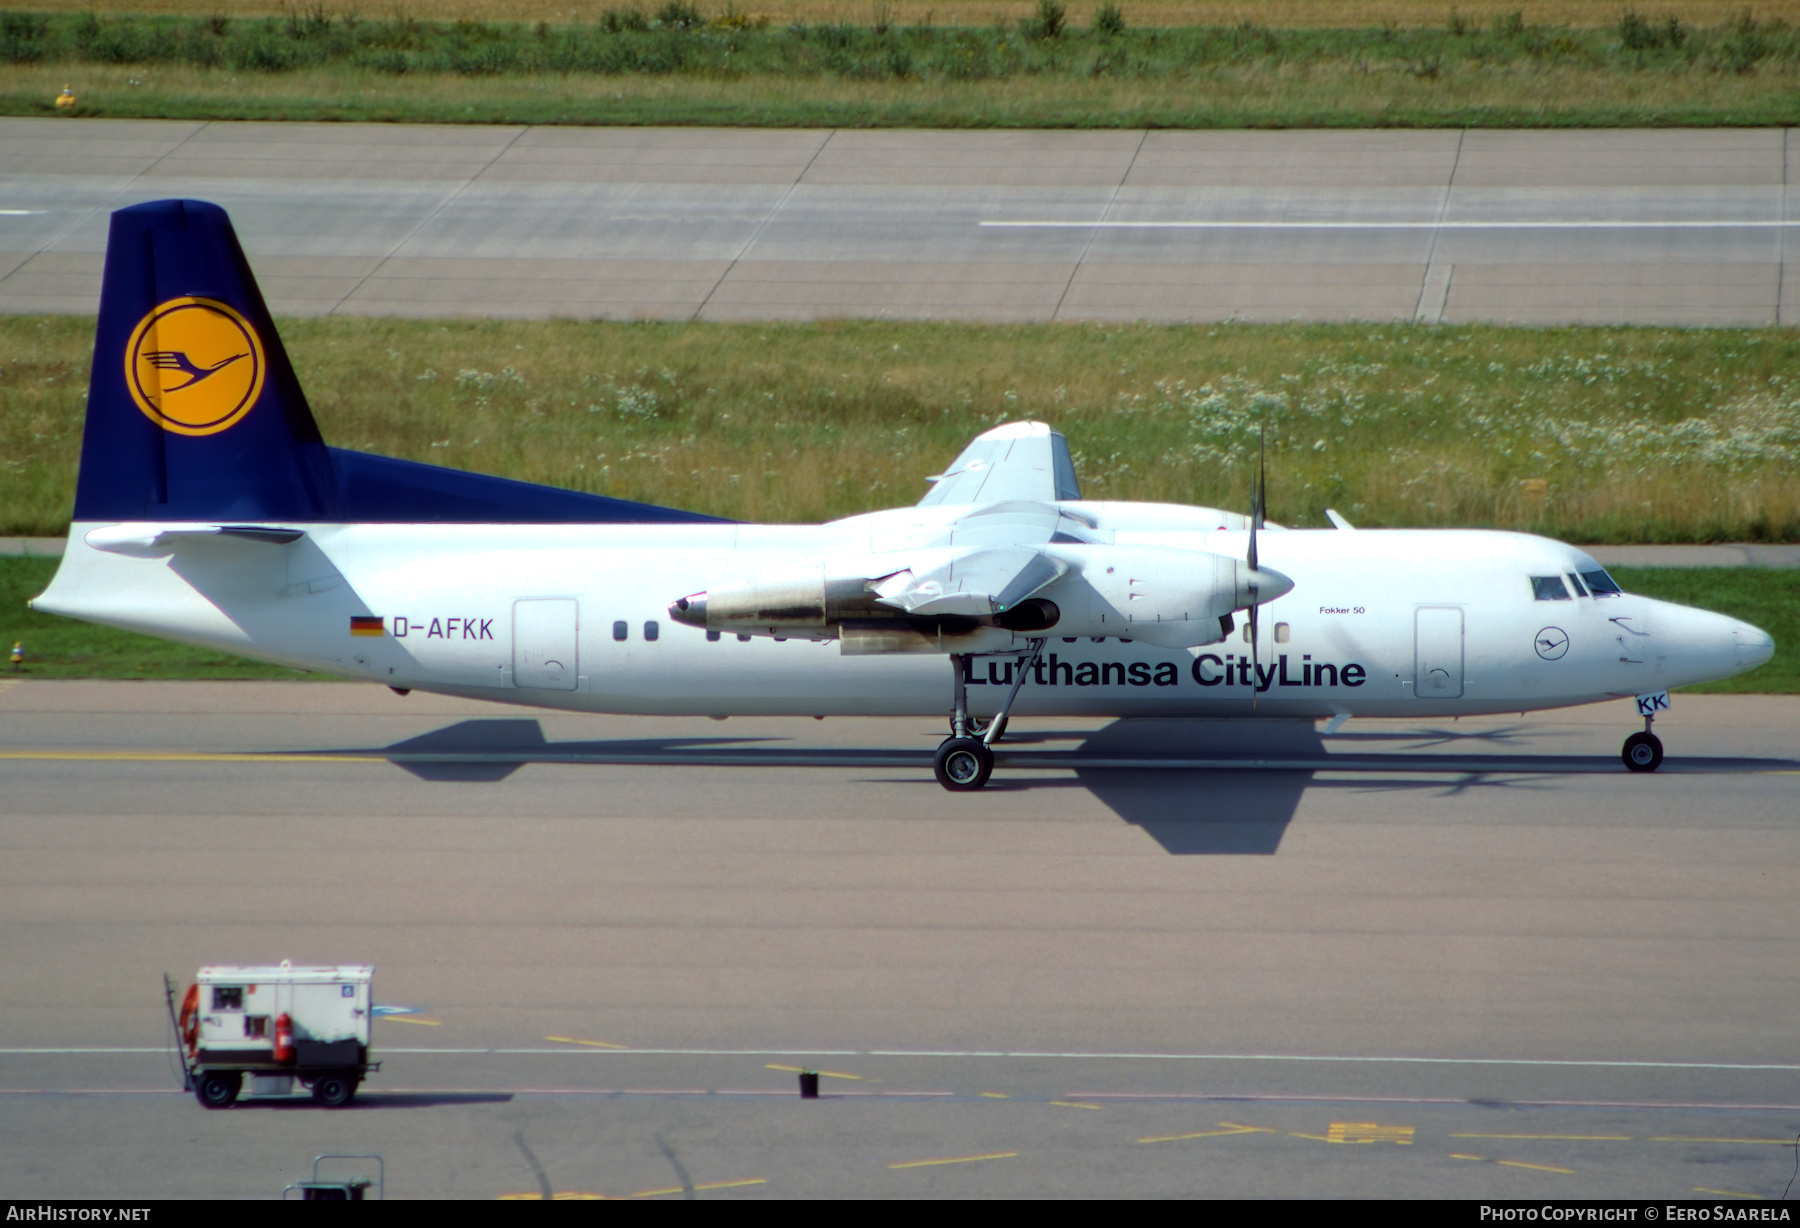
(155, 540)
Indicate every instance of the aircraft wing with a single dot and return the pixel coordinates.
(1018, 462)
(972, 584)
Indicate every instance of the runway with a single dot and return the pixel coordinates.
(1462, 959)
(1681, 227)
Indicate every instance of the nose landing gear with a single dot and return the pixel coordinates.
(1643, 752)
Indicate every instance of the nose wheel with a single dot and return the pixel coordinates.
(1643, 752)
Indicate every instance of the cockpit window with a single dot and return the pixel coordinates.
(1575, 583)
(1601, 584)
(1549, 588)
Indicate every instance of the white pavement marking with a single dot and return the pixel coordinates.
(1691, 224)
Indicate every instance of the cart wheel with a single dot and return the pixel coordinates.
(334, 1091)
(218, 1089)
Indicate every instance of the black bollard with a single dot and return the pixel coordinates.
(809, 1085)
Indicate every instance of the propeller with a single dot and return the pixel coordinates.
(1258, 486)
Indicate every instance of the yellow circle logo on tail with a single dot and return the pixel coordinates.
(194, 366)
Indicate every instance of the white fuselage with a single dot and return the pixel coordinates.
(1379, 622)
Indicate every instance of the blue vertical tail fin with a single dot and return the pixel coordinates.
(193, 409)
(194, 412)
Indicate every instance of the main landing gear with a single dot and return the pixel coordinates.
(964, 761)
(1643, 752)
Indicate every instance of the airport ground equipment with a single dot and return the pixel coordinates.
(278, 1024)
(340, 1189)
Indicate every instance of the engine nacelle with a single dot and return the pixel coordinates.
(1168, 597)
(803, 604)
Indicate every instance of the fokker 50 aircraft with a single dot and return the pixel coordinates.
(209, 510)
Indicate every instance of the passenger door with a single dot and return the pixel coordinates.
(1438, 653)
(545, 634)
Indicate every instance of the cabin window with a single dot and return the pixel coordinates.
(1601, 585)
(1282, 633)
(256, 1027)
(652, 629)
(228, 997)
(621, 629)
(1575, 583)
(1549, 588)
(712, 637)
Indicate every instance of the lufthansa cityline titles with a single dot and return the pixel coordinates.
(1209, 669)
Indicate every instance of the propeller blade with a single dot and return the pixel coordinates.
(1258, 483)
(1255, 654)
(1258, 487)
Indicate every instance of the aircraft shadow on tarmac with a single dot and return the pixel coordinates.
(1199, 811)
(491, 750)
(1188, 810)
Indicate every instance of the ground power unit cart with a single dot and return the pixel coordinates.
(277, 1024)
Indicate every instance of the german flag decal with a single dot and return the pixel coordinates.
(364, 624)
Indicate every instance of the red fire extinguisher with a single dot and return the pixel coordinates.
(284, 1039)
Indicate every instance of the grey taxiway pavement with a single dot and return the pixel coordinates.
(1465, 959)
(1653, 227)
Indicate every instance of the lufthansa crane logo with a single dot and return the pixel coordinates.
(1551, 643)
(194, 366)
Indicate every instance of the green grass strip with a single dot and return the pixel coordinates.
(680, 66)
(1582, 434)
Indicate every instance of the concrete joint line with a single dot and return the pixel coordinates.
(763, 225)
(1787, 165)
(1434, 288)
(427, 220)
(1105, 216)
(111, 202)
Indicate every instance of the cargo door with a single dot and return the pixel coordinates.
(1438, 653)
(544, 639)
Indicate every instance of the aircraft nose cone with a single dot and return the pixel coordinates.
(1754, 645)
(690, 610)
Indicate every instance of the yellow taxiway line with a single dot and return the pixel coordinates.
(701, 1185)
(597, 1044)
(823, 1074)
(991, 1155)
(182, 756)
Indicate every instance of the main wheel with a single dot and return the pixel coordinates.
(1643, 752)
(218, 1089)
(963, 764)
(334, 1091)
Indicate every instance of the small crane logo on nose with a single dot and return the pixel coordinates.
(1551, 643)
